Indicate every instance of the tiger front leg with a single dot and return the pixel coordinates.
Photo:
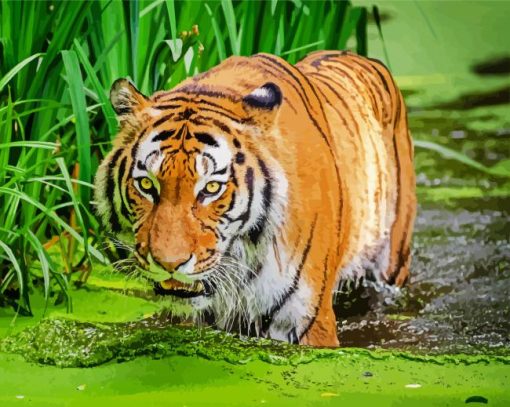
(321, 330)
(307, 318)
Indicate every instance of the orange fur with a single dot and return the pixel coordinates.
(341, 139)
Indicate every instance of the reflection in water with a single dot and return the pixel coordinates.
(496, 66)
(467, 101)
(457, 299)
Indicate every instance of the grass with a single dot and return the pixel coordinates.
(56, 121)
(35, 196)
(501, 169)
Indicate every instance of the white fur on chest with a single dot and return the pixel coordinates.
(274, 289)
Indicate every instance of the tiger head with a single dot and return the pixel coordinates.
(187, 180)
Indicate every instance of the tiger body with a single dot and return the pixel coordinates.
(315, 167)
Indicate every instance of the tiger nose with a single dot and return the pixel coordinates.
(175, 263)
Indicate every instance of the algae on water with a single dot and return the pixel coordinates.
(69, 343)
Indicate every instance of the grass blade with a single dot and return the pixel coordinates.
(56, 219)
(220, 46)
(109, 113)
(131, 19)
(23, 297)
(14, 71)
(79, 104)
(170, 8)
(377, 18)
(43, 260)
(230, 19)
(448, 153)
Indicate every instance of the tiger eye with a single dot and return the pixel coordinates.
(212, 187)
(146, 183)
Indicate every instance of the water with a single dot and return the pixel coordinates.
(457, 299)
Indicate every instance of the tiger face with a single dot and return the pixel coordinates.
(185, 182)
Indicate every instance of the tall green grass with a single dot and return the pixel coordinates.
(57, 62)
(38, 202)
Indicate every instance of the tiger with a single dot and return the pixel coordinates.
(252, 190)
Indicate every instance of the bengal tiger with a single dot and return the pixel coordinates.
(254, 188)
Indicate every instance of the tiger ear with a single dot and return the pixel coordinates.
(262, 105)
(125, 98)
(267, 97)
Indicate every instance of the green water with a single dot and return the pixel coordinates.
(152, 362)
(444, 340)
(353, 377)
(356, 377)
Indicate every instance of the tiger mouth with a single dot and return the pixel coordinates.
(182, 289)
